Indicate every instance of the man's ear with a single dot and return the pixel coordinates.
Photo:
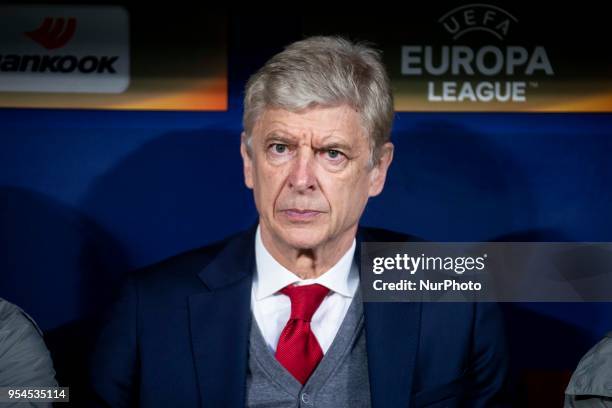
(247, 161)
(379, 172)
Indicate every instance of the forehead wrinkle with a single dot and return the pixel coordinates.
(307, 127)
(293, 129)
(332, 138)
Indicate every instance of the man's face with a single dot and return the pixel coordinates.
(310, 174)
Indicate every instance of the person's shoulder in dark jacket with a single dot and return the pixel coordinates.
(24, 358)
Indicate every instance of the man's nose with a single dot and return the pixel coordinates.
(302, 173)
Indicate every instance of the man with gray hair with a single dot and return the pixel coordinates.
(274, 316)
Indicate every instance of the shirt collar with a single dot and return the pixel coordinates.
(270, 276)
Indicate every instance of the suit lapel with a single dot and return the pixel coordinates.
(392, 337)
(220, 319)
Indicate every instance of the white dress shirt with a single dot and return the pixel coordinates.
(273, 309)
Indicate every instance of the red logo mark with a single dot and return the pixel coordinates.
(53, 32)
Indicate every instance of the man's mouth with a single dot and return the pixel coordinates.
(296, 214)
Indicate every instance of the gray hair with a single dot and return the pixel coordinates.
(327, 72)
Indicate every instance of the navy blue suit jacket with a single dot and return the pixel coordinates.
(178, 337)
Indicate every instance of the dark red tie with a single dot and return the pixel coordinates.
(298, 349)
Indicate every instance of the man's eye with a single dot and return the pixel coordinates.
(333, 154)
(279, 148)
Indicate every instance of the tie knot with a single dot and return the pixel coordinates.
(305, 300)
